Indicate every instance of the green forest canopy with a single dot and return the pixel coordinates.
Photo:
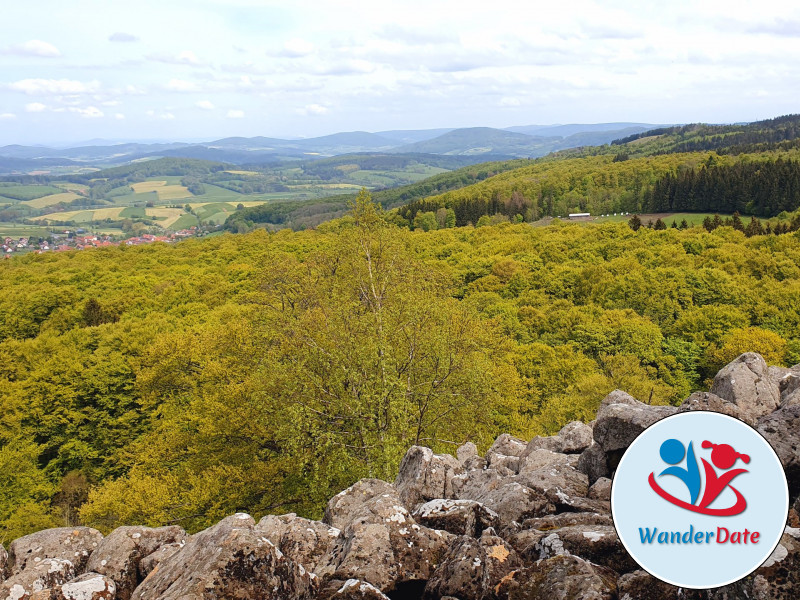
(266, 372)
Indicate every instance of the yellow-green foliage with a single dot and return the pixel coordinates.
(266, 372)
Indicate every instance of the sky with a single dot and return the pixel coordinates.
(204, 69)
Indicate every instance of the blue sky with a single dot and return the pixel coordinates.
(202, 69)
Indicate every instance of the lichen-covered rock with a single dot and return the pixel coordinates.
(782, 430)
(710, 402)
(384, 546)
(119, 554)
(794, 514)
(789, 386)
(229, 560)
(475, 483)
(340, 509)
(466, 452)
(39, 575)
(514, 502)
(640, 585)
(568, 519)
(601, 489)
(557, 478)
(89, 586)
(74, 544)
(593, 463)
(425, 476)
(352, 589)
(747, 383)
(148, 564)
(573, 438)
(596, 543)
(300, 539)
(3, 563)
(560, 578)
(619, 423)
(459, 517)
(472, 568)
(508, 445)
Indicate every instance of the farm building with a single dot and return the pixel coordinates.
(578, 216)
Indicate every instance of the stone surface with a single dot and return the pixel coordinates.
(577, 437)
(514, 502)
(340, 508)
(640, 585)
(424, 476)
(352, 589)
(710, 402)
(300, 539)
(119, 554)
(789, 386)
(601, 489)
(229, 560)
(466, 452)
(619, 423)
(74, 544)
(746, 382)
(43, 574)
(149, 563)
(89, 586)
(593, 463)
(384, 546)
(508, 445)
(3, 563)
(459, 517)
(782, 430)
(472, 568)
(560, 578)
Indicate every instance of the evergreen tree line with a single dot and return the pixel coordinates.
(758, 188)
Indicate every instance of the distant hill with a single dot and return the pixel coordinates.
(571, 129)
(480, 140)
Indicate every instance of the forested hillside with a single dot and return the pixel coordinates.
(264, 372)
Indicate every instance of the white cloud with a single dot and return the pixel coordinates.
(7, 116)
(204, 104)
(297, 47)
(181, 85)
(509, 101)
(235, 114)
(35, 107)
(34, 48)
(90, 112)
(119, 117)
(167, 116)
(122, 37)
(186, 57)
(316, 109)
(45, 87)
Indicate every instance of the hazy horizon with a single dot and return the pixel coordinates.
(212, 68)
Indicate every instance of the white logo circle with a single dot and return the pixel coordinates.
(700, 500)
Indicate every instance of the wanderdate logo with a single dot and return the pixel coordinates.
(699, 500)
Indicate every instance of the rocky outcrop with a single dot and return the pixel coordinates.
(747, 383)
(526, 520)
(232, 559)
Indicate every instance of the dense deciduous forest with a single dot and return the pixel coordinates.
(264, 372)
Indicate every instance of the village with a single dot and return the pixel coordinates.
(80, 240)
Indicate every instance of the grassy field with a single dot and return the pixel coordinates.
(51, 200)
(691, 218)
(165, 189)
(26, 192)
(17, 230)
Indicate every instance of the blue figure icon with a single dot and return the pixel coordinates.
(672, 452)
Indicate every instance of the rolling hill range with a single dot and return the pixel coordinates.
(527, 141)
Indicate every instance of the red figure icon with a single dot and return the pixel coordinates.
(724, 457)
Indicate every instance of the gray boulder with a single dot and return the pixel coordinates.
(747, 383)
(514, 502)
(466, 452)
(229, 560)
(593, 463)
(352, 589)
(789, 385)
(560, 578)
(508, 445)
(301, 540)
(118, 556)
(567, 519)
(89, 586)
(710, 402)
(472, 568)
(148, 564)
(640, 585)
(340, 508)
(601, 489)
(74, 544)
(782, 430)
(557, 479)
(596, 543)
(459, 517)
(573, 438)
(3, 563)
(425, 476)
(39, 575)
(384, 545)
(620, 422)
